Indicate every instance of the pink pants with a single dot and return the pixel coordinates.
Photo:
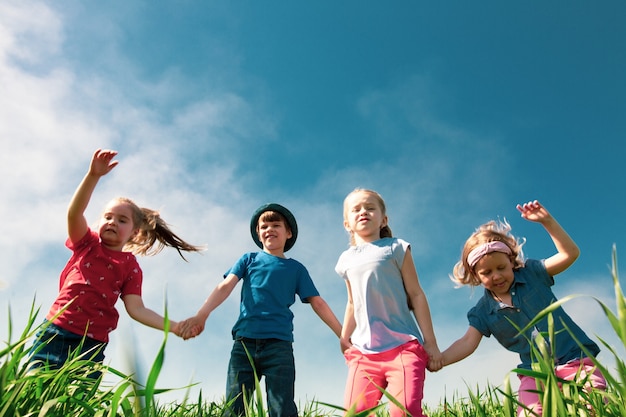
(528, 385)
(400, 371)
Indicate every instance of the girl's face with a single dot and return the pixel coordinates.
(273, 235)
(495, 271)
(116, 225)
(363, 216)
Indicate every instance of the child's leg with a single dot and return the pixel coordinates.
(240, 377)
(53, 346)
(405, 375)
(582, 371)
(586, 369)
(528, 395)
(528, 386)
(364, 375)
(276, 363)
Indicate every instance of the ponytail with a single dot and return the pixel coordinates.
(154, 233)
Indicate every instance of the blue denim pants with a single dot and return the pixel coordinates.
(54, 345)
(272, 359)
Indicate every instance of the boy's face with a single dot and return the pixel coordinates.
(273, 235)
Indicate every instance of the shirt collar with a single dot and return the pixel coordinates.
(495, 305)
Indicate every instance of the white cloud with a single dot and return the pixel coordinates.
(29, 31)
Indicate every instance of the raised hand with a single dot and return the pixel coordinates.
(102, 162)
(533, 211)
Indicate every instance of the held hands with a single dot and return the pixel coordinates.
(435, 357)
(435, 365)
(191, 327)
(175, 327)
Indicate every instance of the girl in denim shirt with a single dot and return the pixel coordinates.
(516, 290)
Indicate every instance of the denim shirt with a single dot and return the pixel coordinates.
(530, 294)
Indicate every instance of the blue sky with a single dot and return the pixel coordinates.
(454, 112)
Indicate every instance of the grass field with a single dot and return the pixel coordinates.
(69, 391)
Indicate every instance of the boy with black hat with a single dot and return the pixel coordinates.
(264, 328)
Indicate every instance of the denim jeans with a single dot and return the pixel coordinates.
(54, 345)
(272, 359)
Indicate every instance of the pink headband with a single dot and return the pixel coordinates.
(481, 250)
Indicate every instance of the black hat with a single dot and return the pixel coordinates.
(254, 221)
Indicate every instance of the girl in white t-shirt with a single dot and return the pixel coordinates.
(381, 341)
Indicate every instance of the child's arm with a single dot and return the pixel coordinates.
(420, 309)
(193, 326)
(138, 311)
(349, 324)
(463, 347)
(101, 164)
(567, 250)
(322, 309)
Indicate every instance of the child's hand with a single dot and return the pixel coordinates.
(434, 365)
(435, 357)
(191, 327)
(102, 162)
(345, 344)
(175, 327)
(180, 330)
(533, 211)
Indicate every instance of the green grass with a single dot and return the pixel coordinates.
(70, 392)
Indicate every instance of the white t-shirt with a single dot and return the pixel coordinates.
(381, 311)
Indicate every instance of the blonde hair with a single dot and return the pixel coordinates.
(463, 273)
(153, 230)
(385, 231)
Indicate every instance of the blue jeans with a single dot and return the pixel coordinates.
(54, 345)
(273, 359)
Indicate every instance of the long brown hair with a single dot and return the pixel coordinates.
(154, 233)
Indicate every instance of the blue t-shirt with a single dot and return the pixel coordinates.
(269, 289)
(530, 294)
